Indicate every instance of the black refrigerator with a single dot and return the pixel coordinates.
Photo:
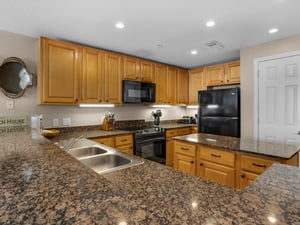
(219, 112)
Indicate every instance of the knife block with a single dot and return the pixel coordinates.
(108, 126)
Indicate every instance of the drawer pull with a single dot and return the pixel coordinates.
(243, 176)
(218, 156)
(123, 140)
(254, 164)
(185, 149)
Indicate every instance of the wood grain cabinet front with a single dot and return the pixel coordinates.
(124, 143)
(138, 69)
(216, 165)
(185, 157)
(108, 141)
(196, 83)
(59, 66)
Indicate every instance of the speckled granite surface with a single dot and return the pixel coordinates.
(41, 184)
(249, 145)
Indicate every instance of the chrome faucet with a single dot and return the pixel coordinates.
(68, 146)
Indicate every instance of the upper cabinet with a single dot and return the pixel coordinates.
(196, 83)
(221, 74)
(182, 86)
(60, 66)
(112, 78)
(138, 69)
(166, 84)
(92, 84)
(73, 74)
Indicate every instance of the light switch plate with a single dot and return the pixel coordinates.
(66, 121)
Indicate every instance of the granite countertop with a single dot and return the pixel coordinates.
(42, 184)
(249, 145)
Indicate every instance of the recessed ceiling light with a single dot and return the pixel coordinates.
(194, 52)
(273, 30)
(120, 25)
(210, 23)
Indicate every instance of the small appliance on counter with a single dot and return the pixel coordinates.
(157, 114)
(109, 121)
(188, 120)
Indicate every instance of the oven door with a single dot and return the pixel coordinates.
(151, 148)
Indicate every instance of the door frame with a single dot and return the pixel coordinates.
(255, 82)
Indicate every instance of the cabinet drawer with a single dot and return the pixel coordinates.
(171, 133)
(185, 148)
(183, 131)
(256, 165)
(218, 156)
(123, 139)
(108, 141)
(126, 149)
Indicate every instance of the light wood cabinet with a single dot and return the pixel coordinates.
(92, 84)
(196, 83)
(185, 157)
(60, 66)
(182, 87)
(124, 143)
(216, 165)
(112, 79)
(170, 142)
(161, 83)
(137, 69)
(172, 85)
(221, 74)
(108, 141)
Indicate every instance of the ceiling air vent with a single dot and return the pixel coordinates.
(214, 44)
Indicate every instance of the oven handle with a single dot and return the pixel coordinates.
(143, 141)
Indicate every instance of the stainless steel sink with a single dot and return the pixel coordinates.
(86, 152)
(103, 163)
(100, 158)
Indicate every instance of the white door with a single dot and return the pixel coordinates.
(279, 100)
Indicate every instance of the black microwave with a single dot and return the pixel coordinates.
(138, 92)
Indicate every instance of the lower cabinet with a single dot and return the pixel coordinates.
(185, 157)
(216, 172)
(216, 165)
(123, 143)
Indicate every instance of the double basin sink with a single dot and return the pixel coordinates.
(100, 158)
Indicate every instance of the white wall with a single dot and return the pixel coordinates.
(26, 49)
(247, 72)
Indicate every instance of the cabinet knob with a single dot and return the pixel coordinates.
(192, 162)
(100, 100)
(201, 164)
(106, 100)
(243, 176)
(76, 100)
(228, 80)
(136, 77)
(142, 78)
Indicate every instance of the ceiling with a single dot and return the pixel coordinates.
(160, 30)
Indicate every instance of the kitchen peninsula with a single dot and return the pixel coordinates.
(42, 184)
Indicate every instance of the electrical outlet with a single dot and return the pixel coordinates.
(10, 104)
(55, 122)
(67, 121)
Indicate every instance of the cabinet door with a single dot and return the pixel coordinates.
(214, 75)
(147, 71)
(161, 81)
(182, 87)
(126, 149)
(126, 139)
(184, 163)
(245, 179)
(92, 86)
(59, 72)
(196, 83)
(109, 141)
(131, 68)
(215, 172)
(171, 85)
(113, 78)
(169, 152)
(232, 72)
